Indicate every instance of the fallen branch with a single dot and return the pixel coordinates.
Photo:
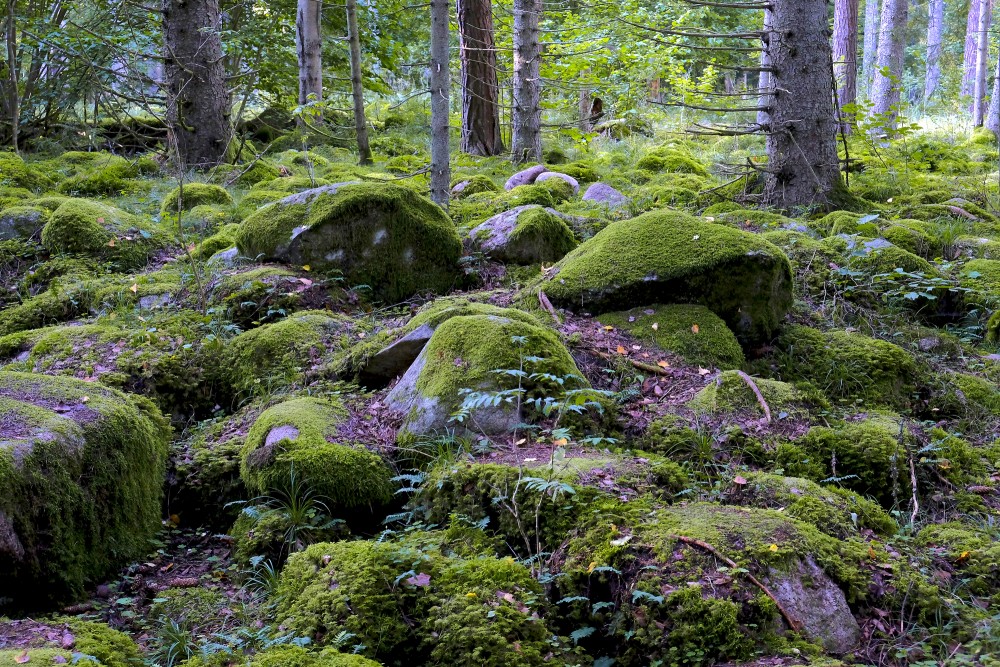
(547, 305)
(649, 368)
(792, 623)
(760, 397)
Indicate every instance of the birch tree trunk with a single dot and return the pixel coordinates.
(982, 51)
(13, 96)
(198, 110)
(526, 139)
(357, 90)
(480, 88)
(309, 47)
(971, 49)
(889, 62)
(764, 83)
(869, 47)
(440, 86)
(803, 168)
(935, 27)
(845, 55)
(993, 114)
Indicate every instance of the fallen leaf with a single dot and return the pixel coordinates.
(561, 442)
(134, 288)
(656, 326)
(307, 268)
(621, 350)
(703, 371)
(739, 479)
(420, 580)
(22, 657)
(609, 328)
(964, 556)
(694, 328)
(471, 595)
(662, 364)
(85, 399)
(590, 568)
(111, 243)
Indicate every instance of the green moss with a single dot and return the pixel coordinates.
(101, 231)
(693, 332)
(257, 295)
(748, 218)
(346, 475)
(194, 194)
(63, 300)
(539, 236)
(583, 172)
(523, 195)
(113, 177)
(190, 607)
(84, 495)
(664, 257)
(847, 365)
(15, 173)
(560, 190)
(108, 647)
(383, 236)
(670, 159)
(294, 656)
(289, 184)
(731, 393)
(983, 274)
(886, 259)
(223, 239)
(474, 185)
(668, 195)
(245, 175)
(22, 222)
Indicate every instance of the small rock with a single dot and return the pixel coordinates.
(524, 177)
(814, 600)
(555, 174)
(393, 360)
(928, 344)
(603, 193)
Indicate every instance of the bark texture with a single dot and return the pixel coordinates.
(357, 90)
(869, 48)
(13, 100)
(935, 28)
(803, 168)
(982, 51)
(889, 62)
(440, 87)
(845, 53)
(198, 110)
(309, 47)
(993, 113)
(480, 88)
(526, 139)
(765, 83)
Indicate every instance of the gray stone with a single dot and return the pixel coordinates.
(459, 187)
(525, 177)
(227, 258)
(602, 193)
(279, 433)
(814, 600)
(393, 360)
(555, 174)
(21, 222)
(494, 237)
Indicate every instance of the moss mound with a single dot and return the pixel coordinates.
(194, 194)
(15, 173)
(669, 257)
(383, 236)
(524, 235)
(732, 393)
(22, 222)
(92, 643)
(693, 332)
(300, 435)
(84, 227)
(81, 472)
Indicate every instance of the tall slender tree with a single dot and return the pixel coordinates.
(982, 53)
(845, 54)
(440, 98)
(13, 101)
(480, 86)
(526, 119)
(198, 108)
(889, 62)
(309, 48)
(935, 28)
(971, 53)
(993, 113)
(357, 89)
(869, 49)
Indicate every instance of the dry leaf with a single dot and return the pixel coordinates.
(703, 371)
(694, 328)
(22, 657)
(306, 267)
(85, 399)
(590, 568)
(621, 350)
(561, 442)
(609, 328)
(656, 326)
(134, 288)
(662, 364)
(773, 547)
(739, 479)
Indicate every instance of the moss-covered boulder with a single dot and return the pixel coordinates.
(479, 353)
(383, 236)
(524, 235)
(693, 332)
(463, 187)
(15, 173)
(65, 641)
(81, 475)
(22, 222)
(602, 193)
(286, 655)
(192, 195)
(101, 231)
(670, 257)
(300, 436)
(731, 392)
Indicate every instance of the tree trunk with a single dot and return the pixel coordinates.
(13, 96)
(198, 122)
(869, 47)
(803, 167)
(971, 48)
(586, 103)
(357, 91)
(982, 51)
(309, 46)
(526, 142)
(764, 84)
(440, 87)
(935, 27)
(993, 114)
(889, 63)
(480, 89)
(845, 55)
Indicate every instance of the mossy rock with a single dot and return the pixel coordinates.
(560, 188)
(669, 195)
(463, 187)
(525, 195)
(383, 236)
(848, 365)
(89, 642)
(81, 476)
(731, 393)
(466, 352)
(299, 437)
(747, 218)
(194, 194)
(673, 160)
(64, 300)
(96, 174)
(281, 353)
(671, 257)
(290, 184)
(983, 275)
(524, 235)
(971, 550)
(221, 240)
(15, 173)
(447, 610)
(97, 230)
(693, 332)
(244, 175)
(257, 294)
(22, 222)
(583, 172)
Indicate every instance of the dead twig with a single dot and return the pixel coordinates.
(547, 305)
(756, 390)
(649, 368)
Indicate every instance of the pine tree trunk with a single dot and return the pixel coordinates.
(869, 47)
(586, 103)
(982, 51)
(480, 88)
(993, 114)
(357, 91)
(440, 87)
(803, 167)
(526, 140)
(309, 47)
(845, 55)
(935, 28)
(198, 110)
(13, 96)
(889, 63)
